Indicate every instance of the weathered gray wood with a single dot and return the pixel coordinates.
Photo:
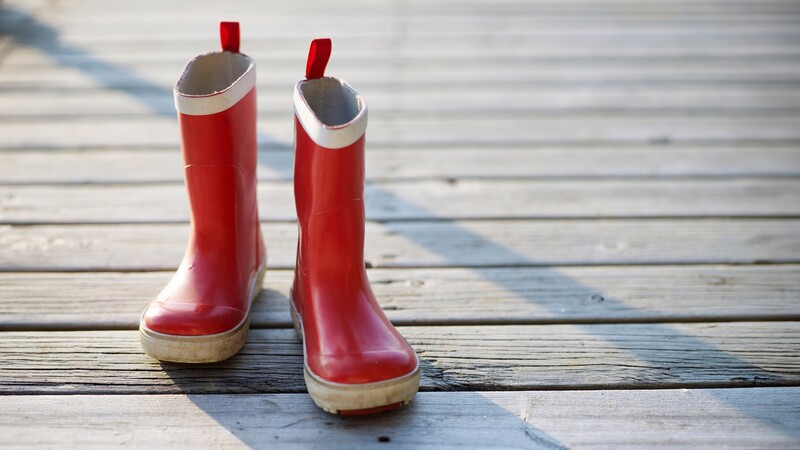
(457, 357)
(97, 75)
(655, 29)
(511, 49)
(436, 77)
(597, 33)
(497, 99)
(31, 301)
(600, 9)
(517, 47)
(607, 43)
(437, 243)
(729, 418)
(453, 199)
(368, 24)
(141, 131)
(110, 165)
(577, 7)
(376, 66)
(85, 20)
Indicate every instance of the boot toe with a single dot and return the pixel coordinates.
(191, 319)
(365, 367)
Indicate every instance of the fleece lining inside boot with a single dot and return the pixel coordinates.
(213, 72)
(333, 102)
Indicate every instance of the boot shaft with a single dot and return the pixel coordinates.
(216, 102)
(215, 97)
(330, 126)
(325, 178)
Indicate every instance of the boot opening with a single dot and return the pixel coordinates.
(212, 73)
(333, 102)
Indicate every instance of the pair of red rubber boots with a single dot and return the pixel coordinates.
(355, 361)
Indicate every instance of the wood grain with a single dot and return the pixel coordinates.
(120, 78)
(90, 300)
(566, 47)
(422, 131)
(120, 165)
(513, 49)
(581, 198)
(654, 29)
(730, 418)
(407, 100)
(422, 199)
(456, 357)
(420, 243)
(768, 45)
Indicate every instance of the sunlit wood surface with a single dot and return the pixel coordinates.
(584, 216)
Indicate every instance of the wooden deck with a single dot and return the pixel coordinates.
(584, 215)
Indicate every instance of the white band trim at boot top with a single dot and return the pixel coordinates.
(218, 101)
(328, 136)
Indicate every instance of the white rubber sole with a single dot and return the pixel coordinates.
(201, 349)
(356, 399)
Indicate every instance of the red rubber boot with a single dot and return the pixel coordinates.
(356, 362)
(203, 314)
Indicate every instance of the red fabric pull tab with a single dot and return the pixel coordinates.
(229, 36)
(318, 56)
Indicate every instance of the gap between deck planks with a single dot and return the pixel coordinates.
(92, 301)
(729, 418)
(444, 243)
(474, 357)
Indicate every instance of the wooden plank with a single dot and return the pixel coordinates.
(119, 165)
(119, 77)
(423, 199)
(544, 48)
(729, 418)
(768, 41)
(583, 11)
(385, 130)
(437, 243)
(86, 23)
(571, 9)
(442, 50)
(500, 101)
(733, 354)
(305, 21)
(282, 62)
(614, 7)
(571, 39)
(90, 300)
(135, 86)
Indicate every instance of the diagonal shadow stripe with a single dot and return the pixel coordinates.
(26, 30)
